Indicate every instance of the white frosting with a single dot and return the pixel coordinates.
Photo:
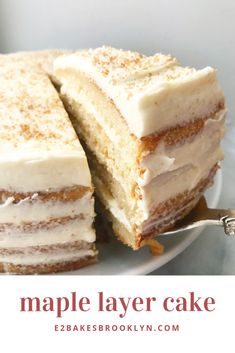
(46, 258)
(72, 231)
(37, 211)
(151, 93)
(47, 170)
(164, 158)
(167, 185)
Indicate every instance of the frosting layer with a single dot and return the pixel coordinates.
(37, 211)
(194, 151)
(72, 231)
(46, 258)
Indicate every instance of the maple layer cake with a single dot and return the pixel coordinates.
(151, 130)
(46, 202)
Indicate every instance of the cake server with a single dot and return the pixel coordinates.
(201, 216)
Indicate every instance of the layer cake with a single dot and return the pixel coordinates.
(151, 130)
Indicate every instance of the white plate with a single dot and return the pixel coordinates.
(118, 259)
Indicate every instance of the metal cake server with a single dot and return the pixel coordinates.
(201, 216)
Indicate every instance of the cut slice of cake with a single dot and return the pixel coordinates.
(151, 130)
(46, 202)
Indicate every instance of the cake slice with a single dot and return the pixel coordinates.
(151, 130)
(46, 202)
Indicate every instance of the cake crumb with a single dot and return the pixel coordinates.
(154, 246)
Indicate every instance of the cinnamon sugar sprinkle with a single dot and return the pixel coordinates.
(31, 111)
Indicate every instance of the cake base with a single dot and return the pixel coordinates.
(47, 268)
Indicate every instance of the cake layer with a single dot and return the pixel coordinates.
(43, 249)
(66, 195)
(54, 267)
(70, 230)
(47, 258)
(36, 136)
(147, 91)
(38, 208)
(46, 224)
(175, 135)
